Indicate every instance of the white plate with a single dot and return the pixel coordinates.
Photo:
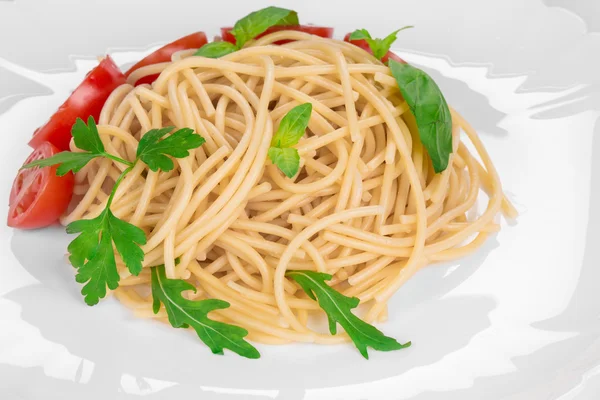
(517, 320)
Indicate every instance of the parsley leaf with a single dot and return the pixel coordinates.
(338, 309)
(291, 129)
(216, 49)
(379, 47)
(86, 137)
(92, 251)
(68, 161)
(431, 112)
(153, 151)
(183, 313)
(259, 21)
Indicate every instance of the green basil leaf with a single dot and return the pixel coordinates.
(259, 21)
(216, 49)
(379, 47)
(287, 160)
(430, 110)
(360, 34)
(292, 126)
(385, 43)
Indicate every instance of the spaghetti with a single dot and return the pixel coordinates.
(365, 207)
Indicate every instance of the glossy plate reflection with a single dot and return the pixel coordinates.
(516, 320)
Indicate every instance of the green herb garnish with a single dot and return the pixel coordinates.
(259, 21)
(248, 28)
(216, 49)
(183, 313)
(431, 112)
(379, 47)
(338, 309)
(86, 138)
(153, 151)
(92, 251)
(291, 129)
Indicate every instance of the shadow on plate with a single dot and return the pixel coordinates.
(535, 375)
(117, 344)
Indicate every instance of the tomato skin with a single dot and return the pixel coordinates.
(365, 46)
(39, 197)
(323, 31)
(88, 99)
(193, 41)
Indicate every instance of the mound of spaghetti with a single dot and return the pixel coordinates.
(366, 205)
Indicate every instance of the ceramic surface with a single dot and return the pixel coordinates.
(517, 320)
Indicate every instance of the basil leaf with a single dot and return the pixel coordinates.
(430, 110)
(290, 20)
(216, 49)
(385, 43)
(291, 129)
(259, 21)
(287, 160)
(379, 47)
(292, 126)
(360, 34)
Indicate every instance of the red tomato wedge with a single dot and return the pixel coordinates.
(193, 41)
(322, 31)
(88, 99)
(38, 197)
(365, 46)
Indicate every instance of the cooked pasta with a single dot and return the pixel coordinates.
(365, 207)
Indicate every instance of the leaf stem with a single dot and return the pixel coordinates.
(117, 159)
(117, 183)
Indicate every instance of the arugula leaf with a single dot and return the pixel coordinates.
(86, 137)
(431, 112)
(216, 49)
(338, 309)
(379, 47)
(183, 313)
(153, 151)
(92, 251)
(259, 21)
(287, 160)
(291, 129)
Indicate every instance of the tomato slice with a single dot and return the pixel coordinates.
(38, 197)
(193, 41)
(323, 31)
(365, 46)
(88, 99)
